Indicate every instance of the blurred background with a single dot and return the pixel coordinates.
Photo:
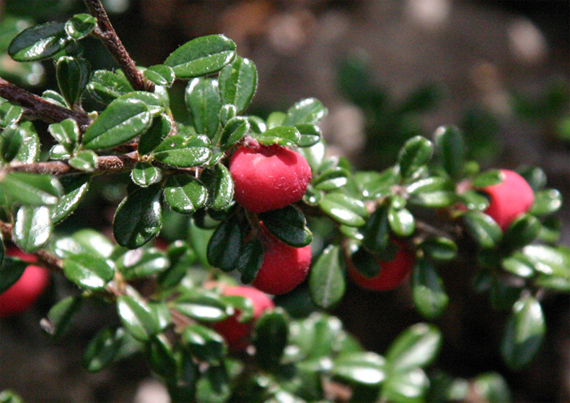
(386, 70)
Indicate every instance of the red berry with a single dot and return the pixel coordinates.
(509, 199)
(284, 267)
(392, 273)
(24, 292)
(235, 333)
(268, 177)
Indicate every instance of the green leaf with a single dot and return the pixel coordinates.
(105, 86)
(492, 387)
(181, 257)
(145, 174)
(11, 270)
(225, 244)
(234, 130)
(85, 161)
(31, 189)
(288, 225)
(54, 97)
(416, 346)
(88, 271)
(160, 356)
(331, 179)
(38, 42)
(438, 199)
(220, 186)
(72, 77)
(33, 228)
(203, 100)
(401, 221)
(474, 200)
(451, 150)
(205, 306)
(270, 339)
(406, 387)
(228, 112)
(547, 201)
(201, 56)
(121, 121)
(344, 209)
(275, 119)
(487, 178)
(439, 248)
(522, 231)
(416, 152)
(152, 101)
(213, 386)
(10, 114)
(155, 135)
(138, 217)
(310, 134)
(524, 333)
(238, 82)
(80, 25)
(60, 316)
(482, 228)
(10, 396)
(160, 75)
(309, 110)
(137, 318)
(139, 263)
(250, 260)
(361, 368)
(282, 135)
(204, 343)
(20, 143)
(518, 264)
(326, 281)
(429, 294)
(85, 240)
(185, 194)
(65, 133)
(103, 348)
(377, 231)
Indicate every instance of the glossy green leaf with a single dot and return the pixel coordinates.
(282, 135)
(365, 368)
(482, 228)
(416, 346)
(60, 316)
(326, 281)
(88, 271)
(10, 114)
(317, 336)
(234, 130)
(103, 349)
(416, 152)
(250, 260)
(10, 396)
(85, 161)
(105, 86)
(228, 112)
(152, 101)
(19, 143)
(138, 217)
(487, 178)
(31, 189)
(331, 179)
(309, 110)
(438, 199)
(344, 209)
(518, 264)
(185, 194)
(72, 77)
(536, 177)
(451, 150)
(492, 387)
(181, 257)
(270, 339)
(38, 42)
(214, 385)
(524, 333)
(428, 291)
(33, 228)
(182, 151)
(439, 248)
(377, 230)
(225, 244)
(522, 231)
(288, 225)
(474, 200)
(406, 387)
(204, 343)
(220, 186)
(139, 263)
(121, 121)
(373, 185)
(75, 187)
(54, 97)
(201, 56)
(155, 135)
(145, 174)
(204, 102)
(11, 270)
(310, 134)
(401, 221)
(547, 201)
(65, 133)
(160, 356)
(160, 74)
(238, 82)
(137, 318)
(85, 240)
(80, 25)
(205, 307)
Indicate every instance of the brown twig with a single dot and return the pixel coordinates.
(106, 33)
(38, 108)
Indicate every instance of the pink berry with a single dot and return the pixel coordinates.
(392, 273)
(284, 267)
(268, 177)
(24, 292)
(238, 334)
(509, 199)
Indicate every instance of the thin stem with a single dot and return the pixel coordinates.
(38, 108)
(106, 33)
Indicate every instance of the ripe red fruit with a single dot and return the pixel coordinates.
(284, 267)
(268, 177)
(235, 333)
(392, 274)
(24, 292)
(509, 199)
